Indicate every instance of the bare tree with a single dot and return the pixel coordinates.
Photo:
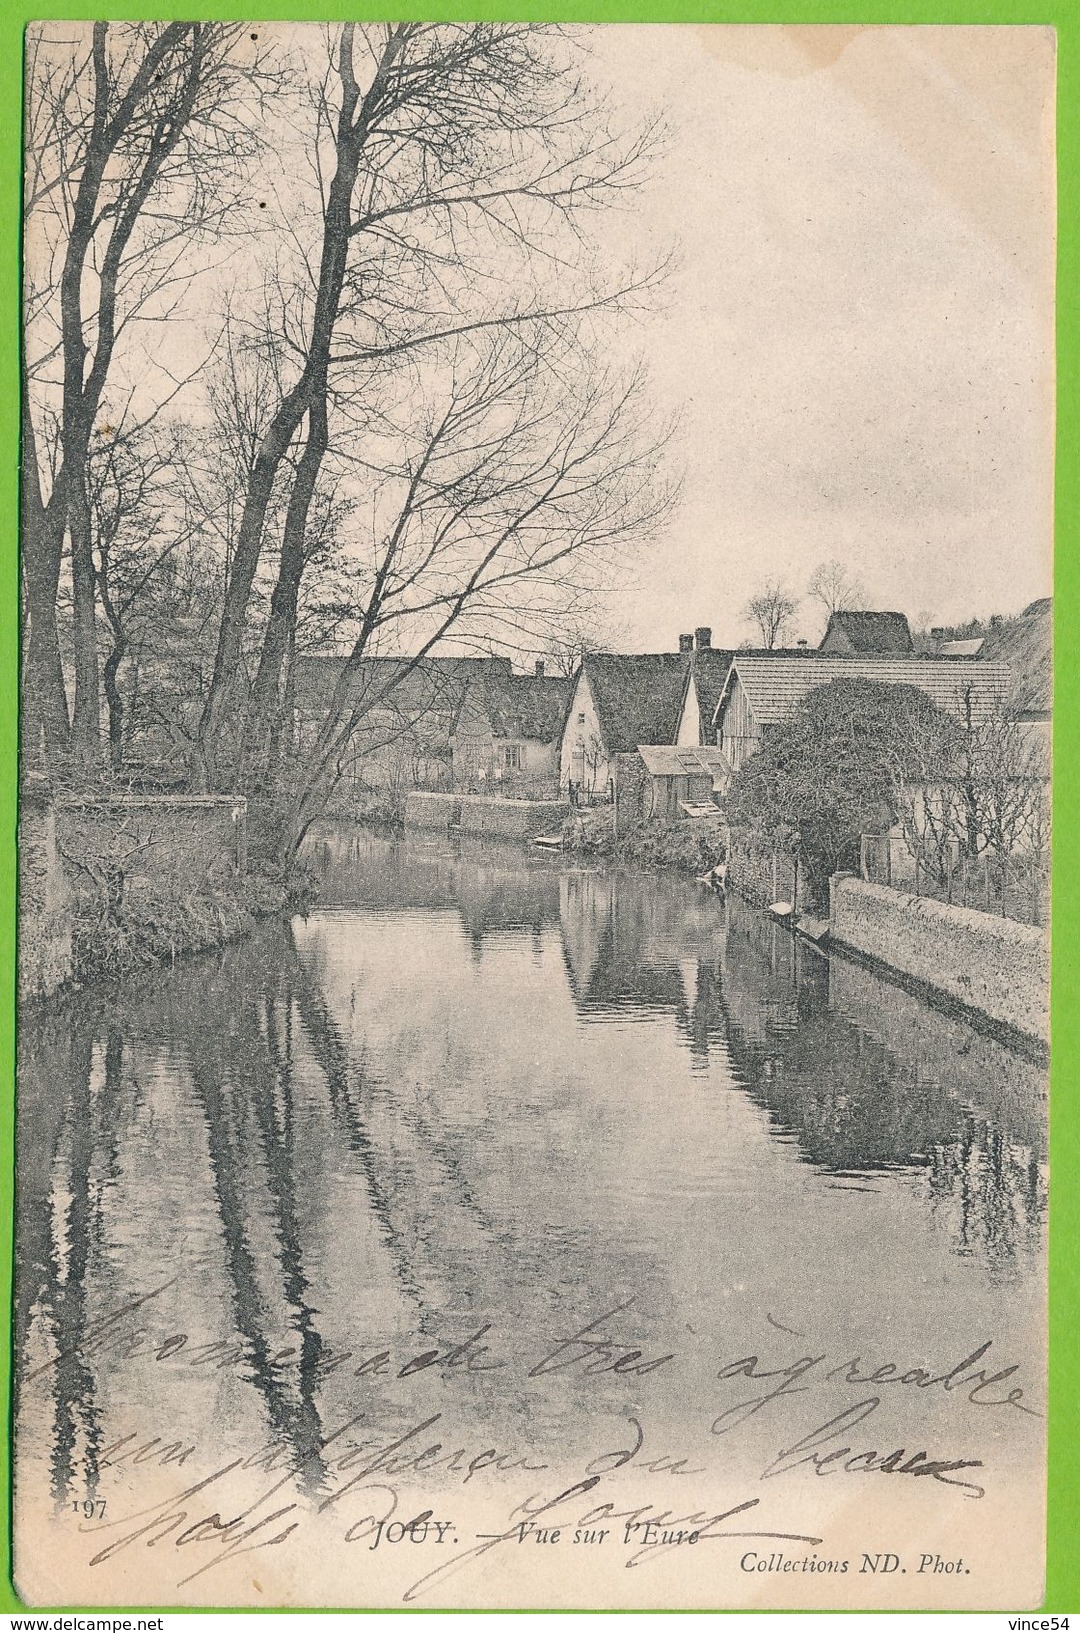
(771, 612)
(971, 784)
(517, 481)
(835, 589)
(576, 633)
(440, 152)
(135, 131)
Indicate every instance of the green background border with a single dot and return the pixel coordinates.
(1063, 1554)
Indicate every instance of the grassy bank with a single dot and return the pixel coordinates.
(689, 847)
(154, 927)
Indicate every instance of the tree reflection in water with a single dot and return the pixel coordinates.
(291, 1147)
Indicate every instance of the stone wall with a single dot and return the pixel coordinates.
(511, 818)
(46, 909)
(485, 815)
(994, 965)
(762, 872)
(141, 845)
(435, 812)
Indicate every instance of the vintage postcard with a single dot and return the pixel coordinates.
(536, 556)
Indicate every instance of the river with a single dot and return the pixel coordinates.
(485, 1098)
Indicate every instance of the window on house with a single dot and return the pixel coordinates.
(512, 757)
(581, 719)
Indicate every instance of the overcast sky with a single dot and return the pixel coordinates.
(859, 334)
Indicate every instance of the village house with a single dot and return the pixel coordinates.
(506, 733)
(617, 701)
(405, 717)
(762, 690)
(859, 634)
(706, 673)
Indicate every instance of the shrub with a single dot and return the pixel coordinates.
(693, 847)
(590, 831)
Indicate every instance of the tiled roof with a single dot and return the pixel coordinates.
(708, 670)
(871, 631)
(774, 685)
(663, 760)
(1026, 644)
(637, 696)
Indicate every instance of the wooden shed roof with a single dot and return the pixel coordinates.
(665, 760)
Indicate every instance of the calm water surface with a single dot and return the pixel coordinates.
(485, 1092)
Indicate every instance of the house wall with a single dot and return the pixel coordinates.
(383, 753)
(737, 730)
(688, 734)
(482, 760)
(583, 756)
(991, 964)
(472, 744)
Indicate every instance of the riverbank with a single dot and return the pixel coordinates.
(157, 928)
(111, 884)
(695, 846)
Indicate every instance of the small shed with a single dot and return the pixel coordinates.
(678, 778)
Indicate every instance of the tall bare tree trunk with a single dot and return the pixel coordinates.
(86, 715)
(45, 709)
(268, 703)
(353, 124)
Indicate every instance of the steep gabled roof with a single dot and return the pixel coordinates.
(637, 695)
(526, 706)
(773, 685)
(708, 670)
(871, 632)
(1026, 644)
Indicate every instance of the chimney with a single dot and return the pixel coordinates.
(686, 643)
(540, 668)
(703, 638)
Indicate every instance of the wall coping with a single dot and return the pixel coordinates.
(929, 908)
(106, 802)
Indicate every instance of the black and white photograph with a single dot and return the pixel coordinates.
(536, 573)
